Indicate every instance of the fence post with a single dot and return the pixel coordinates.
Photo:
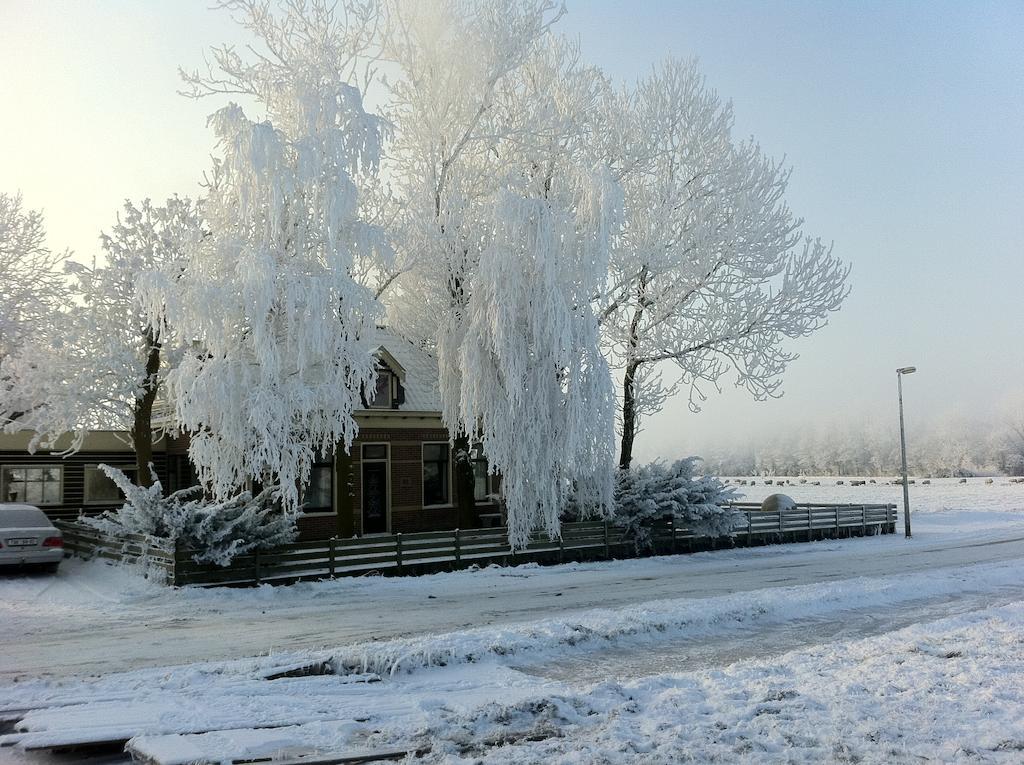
(836, 508)
(398, 551)
(256, 564)
(810, 530)
(607, 546)
(177, 556)
(863, 521)
(458, 548)
(673, 537)
(330, 556)
(750, 526)
(561, 548)
(782, 532)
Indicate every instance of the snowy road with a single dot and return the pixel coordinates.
(764, 639)
(93, 619)
(811, 650)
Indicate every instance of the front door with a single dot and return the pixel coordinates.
(375, 497)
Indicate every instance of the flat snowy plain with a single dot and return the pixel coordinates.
(864, 650)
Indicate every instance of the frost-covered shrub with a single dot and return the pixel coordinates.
(657, 492)
(217, 531)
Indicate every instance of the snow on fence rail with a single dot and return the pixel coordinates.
(87, 542)
(436, 550)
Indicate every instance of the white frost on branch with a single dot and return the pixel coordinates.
(32, 287)
(510, 210)
(711, 272)
(283, 334)
(654, 493)
(97, 362)
(215, 532)
(534, 385)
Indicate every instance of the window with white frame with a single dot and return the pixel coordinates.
(318, 496)
(436, 483)
(481, 488)
(36, 485)
(375, 452)
(100, 489)
(380, 396)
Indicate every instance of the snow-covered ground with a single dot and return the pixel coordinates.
(939, 495)
(69, 624)
(465, 694)
(864, 650)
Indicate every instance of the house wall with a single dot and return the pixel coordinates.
(405, 468)
(101, 447)
(403, 432)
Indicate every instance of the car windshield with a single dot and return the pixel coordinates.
(23, 517)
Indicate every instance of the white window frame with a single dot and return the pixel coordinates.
(385, 370)
(487, 477)
(423, 483)
(85, 483)
(386, 459)
(334, 494)
(32, 466)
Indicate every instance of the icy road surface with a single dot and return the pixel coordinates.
(944, 691)
(865, 650)
(94, 618)
(765, 640)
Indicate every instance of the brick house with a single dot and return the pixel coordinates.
(398, 477)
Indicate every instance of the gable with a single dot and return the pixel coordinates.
(415, 368)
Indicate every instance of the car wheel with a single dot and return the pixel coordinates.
(51, 568)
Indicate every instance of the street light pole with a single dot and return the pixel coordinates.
(903, 447)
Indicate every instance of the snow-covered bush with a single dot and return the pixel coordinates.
(217, 531)
(657, 492)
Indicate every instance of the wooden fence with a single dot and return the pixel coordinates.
(443, 550)
(87, 542)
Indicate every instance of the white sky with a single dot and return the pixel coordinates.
(903, 123)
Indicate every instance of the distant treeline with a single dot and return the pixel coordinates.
(950, 449)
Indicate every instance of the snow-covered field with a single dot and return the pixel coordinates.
(940, 495)
(863, 650)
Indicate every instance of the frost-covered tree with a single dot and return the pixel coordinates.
(1011, 435)
(283, 334)
(32, 287)
(943, 446)
(101, 360)
(215, 531)
(454, 59)
(654, 493)
(711, 272)
(509, 214)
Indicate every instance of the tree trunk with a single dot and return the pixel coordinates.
(142, 428)
(628, 416)
(465, 484)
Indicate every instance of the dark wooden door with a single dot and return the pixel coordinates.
(375, 497)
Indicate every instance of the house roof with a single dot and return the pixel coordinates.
(418, 371)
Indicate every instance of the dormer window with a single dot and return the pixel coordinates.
(387, 391)
(382, 395)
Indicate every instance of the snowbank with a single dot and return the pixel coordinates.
(946, 691)
(938, 691)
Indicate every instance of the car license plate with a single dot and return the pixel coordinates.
(22, 542)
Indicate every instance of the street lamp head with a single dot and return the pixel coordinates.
(906, 370)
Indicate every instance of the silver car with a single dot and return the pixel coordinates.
(28, 538)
